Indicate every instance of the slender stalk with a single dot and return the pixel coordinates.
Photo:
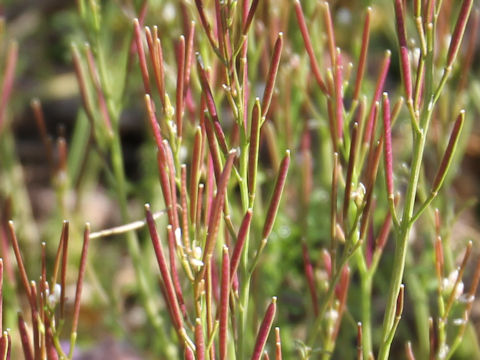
(402, 241)
(366, 291)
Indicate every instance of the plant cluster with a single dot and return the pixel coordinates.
(232, 226)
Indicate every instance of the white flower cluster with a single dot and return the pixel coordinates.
(449, 284)
(54, 297)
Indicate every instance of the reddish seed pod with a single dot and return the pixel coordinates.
(141, 55)
(459, 31)
(277, 194)
(224, 301)
(308, 46)
(388, 145)
(264, 330)
(363, 54)
(378, 92)
(448, 154)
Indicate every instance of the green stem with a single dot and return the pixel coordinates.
(402, 236)
(366, 288)
(419, 300)
(121, 190)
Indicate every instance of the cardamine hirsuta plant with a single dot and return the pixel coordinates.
(294, 187)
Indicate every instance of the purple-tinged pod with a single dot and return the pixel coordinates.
(250, 14)
(81, 275)
(180, 85)
(374, 161)
(448, 154)
(387, 133)
(172, 245)
(216, 212)
(224, 302)
(308, 46)
(362, 61)
(459, 31)
(156, 58)
(378, 92)
(184, 210)
(408, 346)
(272, 74)
(153, 121)
(20, 265)
(253, 150)
(205, 24)
(188, 353)
(195, 173)
(199, 340)
(24, 339)
(338, 85)
(276, 196)
(137, 33)
(327, 17)
(400, 301)
(241, 238)
(351, 164)
(264, 330)
(402, 40)
(162, 264)
(189, 54)
(359, 341)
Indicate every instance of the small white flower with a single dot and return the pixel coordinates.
(449, 284)
(196, 257)
(178, 237)
(169, 12)
(359, 194)
(52, 299)
(466, 298)
(173, 126)
(332, 315)
(415, 56)
(447, 40)
(344, 16)
(443, 352)
(183, 153)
